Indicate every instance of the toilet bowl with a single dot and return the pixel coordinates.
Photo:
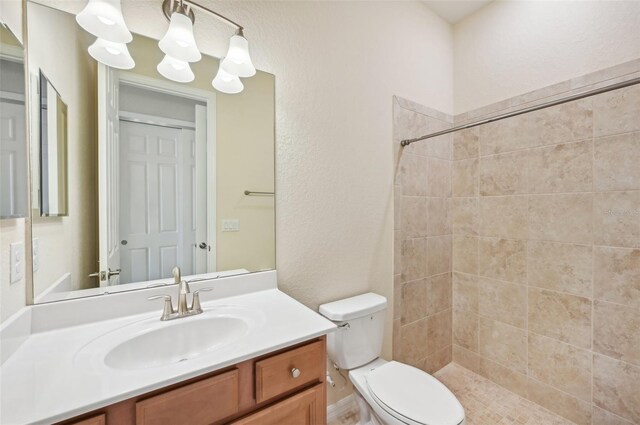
(387, 392)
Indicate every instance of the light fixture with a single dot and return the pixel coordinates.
(175, 70)
(227, 83)
(179, 41)
(238, 61)
(103, 18)
(115, 55)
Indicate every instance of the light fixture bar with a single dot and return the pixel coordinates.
(216, 14)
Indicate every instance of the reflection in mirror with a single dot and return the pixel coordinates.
(53, 151)
(13, 148)
(157, 170)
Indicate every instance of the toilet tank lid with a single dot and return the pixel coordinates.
(354, 307)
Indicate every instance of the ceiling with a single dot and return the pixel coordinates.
(454, 11)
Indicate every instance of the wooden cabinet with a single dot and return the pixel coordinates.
(95, 420)
(280, 388)
(304, 408)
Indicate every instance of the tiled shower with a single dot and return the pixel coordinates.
(537, 218)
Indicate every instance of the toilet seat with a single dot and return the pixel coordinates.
(412, 396)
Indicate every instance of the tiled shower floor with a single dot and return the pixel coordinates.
(485, 403)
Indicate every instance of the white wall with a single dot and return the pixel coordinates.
(512, 47)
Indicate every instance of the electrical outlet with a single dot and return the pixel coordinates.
(231, 225)
(16, 265)
(35, 249)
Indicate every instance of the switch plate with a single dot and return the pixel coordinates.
(231, 225)
(16, 265)
(35, 248)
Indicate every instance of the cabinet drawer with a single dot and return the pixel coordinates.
(305, 408)
(200, 403)
(275, 376)
(96, 420)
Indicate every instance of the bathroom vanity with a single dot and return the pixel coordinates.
(286, 386)
(254, 356)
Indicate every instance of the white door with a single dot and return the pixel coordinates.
(157, 218)
(13, 157)
(204, 245)
(108, 167)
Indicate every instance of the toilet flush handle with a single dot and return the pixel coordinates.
(295, 372)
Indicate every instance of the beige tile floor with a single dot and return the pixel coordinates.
(485, 403)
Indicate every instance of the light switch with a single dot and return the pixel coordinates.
(231, 225)
(17, 261)
(35, 248)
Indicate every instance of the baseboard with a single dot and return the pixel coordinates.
(340, 408)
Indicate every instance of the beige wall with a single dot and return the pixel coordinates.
(512, 47)
(67, 244)
(244, 159)
(546, 258)
(422, 242)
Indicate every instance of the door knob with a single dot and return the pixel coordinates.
(113, 273)
(203, 245)
(124, 242)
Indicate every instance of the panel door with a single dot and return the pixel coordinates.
(152, 197)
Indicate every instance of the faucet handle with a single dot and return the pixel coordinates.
(167, 311)
(195, 303)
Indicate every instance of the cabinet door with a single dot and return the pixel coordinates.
(200, 403)
(96, 420)
(305, 408)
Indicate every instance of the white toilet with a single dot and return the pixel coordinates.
(387, 392)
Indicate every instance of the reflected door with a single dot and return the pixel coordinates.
(157, 226)
(13, 173)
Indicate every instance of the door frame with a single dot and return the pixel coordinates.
(200, 95)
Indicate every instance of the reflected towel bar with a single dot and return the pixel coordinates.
(545, 105)
(250, 193)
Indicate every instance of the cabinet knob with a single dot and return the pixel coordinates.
(295, 372)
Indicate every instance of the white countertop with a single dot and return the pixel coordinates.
(45, 380)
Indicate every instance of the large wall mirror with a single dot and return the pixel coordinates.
(156, 174)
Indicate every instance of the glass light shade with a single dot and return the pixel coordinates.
(115, 55)
(103, 18)
(227, 83)
(179, 42)
(238, 62)
(176, 70)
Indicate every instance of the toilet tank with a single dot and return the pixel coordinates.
(358, 339)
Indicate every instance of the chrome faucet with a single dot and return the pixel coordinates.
(168, 312)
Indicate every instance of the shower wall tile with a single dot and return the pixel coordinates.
(617, 112)
(561, 316)
(560, 365)
(549, 247)
(503, 343)
(465, 143)
(438, 216)
(504, 174)
(561, 218)
(502, 259)
(465, 178)
(422, 327)
(616, 160)
(465, 292)
(502, 301)
(563, 404)
(616, 275)
(465, 254)
(561, 267)
(504, 217)
(617, 219)
(464, 216)
(615, 387)
(561, 168)
(616, 331)
(465, 330)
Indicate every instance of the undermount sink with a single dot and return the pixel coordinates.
(175, 342)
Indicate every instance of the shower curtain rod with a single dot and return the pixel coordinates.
(578, 96)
